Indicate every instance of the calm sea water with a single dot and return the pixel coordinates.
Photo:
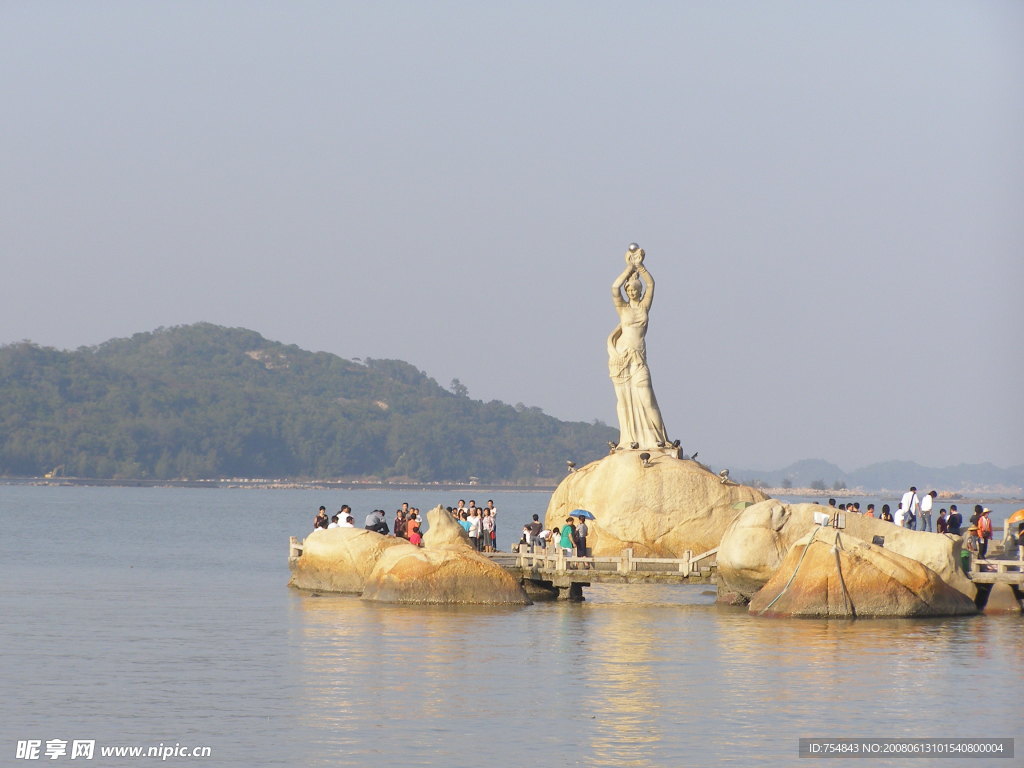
(161, 616)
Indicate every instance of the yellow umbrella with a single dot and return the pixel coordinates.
(1016, 517)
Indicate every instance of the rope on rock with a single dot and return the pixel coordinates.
(798, 564)
(842, 582)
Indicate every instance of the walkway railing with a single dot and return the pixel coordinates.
(991, 571)
(555, 561)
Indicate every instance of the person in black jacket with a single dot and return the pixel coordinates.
(954, 521)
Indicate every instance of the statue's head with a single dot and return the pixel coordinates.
(634, 289)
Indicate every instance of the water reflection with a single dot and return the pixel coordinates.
(620, 687)
(619, 682)
(398, 679)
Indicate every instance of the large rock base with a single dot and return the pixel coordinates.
(660, 510)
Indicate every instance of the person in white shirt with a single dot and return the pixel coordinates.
(474, 528)
(911, 506)
(925, 523)
(900, 515)
(334, 523)
(349, 522)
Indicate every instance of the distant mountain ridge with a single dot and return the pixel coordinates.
(892, 476)
(204, 401)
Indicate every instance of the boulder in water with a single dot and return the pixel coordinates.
(830, 573)
(445, 570)
(339, 559)
(757, 541)
(413, 575)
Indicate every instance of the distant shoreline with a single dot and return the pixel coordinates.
(246, 483)
(478, 488)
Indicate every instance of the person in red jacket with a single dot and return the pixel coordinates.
(984, 531)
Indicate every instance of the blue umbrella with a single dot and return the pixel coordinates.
(582, 513)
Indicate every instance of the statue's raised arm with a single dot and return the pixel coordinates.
(640, 422)
(617, 299)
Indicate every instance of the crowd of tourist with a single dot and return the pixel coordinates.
(915, 513)
(480, 523)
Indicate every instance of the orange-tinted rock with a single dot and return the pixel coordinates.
(755, 544)
(446, 570)
(833, 574)
(411, 575)
(339, 559)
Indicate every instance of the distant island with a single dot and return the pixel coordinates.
(203, 402)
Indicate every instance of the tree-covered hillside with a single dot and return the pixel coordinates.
(204, 401)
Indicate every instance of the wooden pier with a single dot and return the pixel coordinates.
(553, 571)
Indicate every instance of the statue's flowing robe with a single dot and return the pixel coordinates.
(639, 416)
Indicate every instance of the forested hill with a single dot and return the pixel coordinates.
(203, 401)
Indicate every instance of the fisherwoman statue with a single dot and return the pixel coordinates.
(640, 423)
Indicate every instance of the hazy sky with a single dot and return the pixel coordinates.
(831, 196)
